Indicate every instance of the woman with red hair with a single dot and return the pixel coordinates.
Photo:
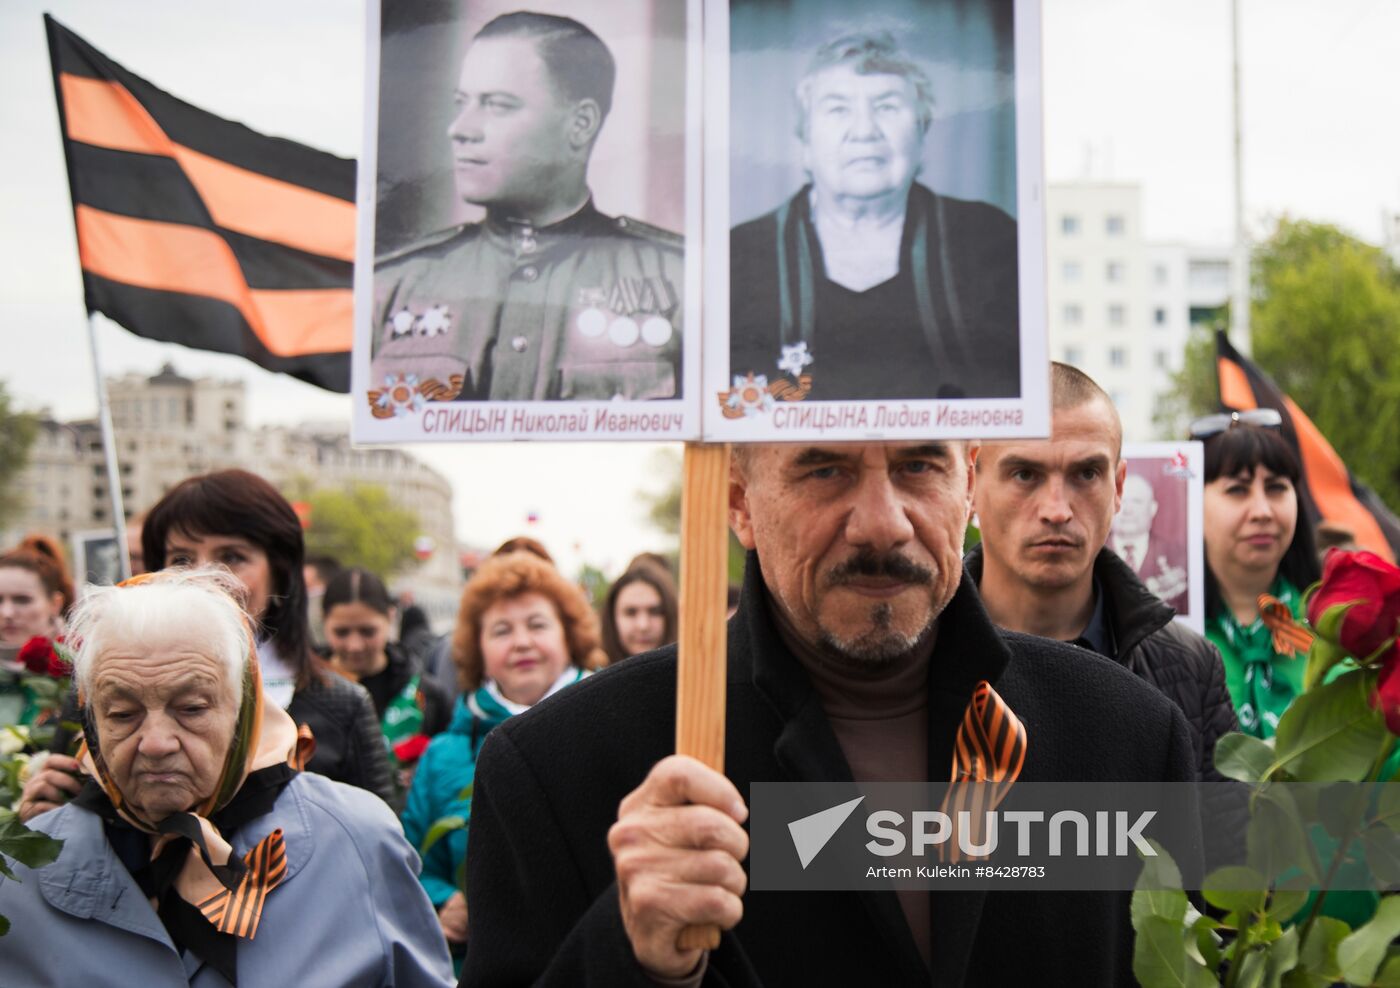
(524, 633)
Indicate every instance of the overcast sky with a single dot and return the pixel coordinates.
(1135, 91)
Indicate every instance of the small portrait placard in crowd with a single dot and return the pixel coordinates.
(529, 211)
(874, 220)
(1158, 529)
(97, 557)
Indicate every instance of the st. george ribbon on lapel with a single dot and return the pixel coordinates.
(987, 757)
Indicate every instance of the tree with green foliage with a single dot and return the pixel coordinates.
(359, 525)
(1325, 325)
(18, 431)
(664, 508)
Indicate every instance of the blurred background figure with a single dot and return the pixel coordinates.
(1257, 541)
(317, 572)
(411, 708)
(639, 612)
(523, 543)
(524, 632)
(236, 519)
(133, 544)
(36, 591)
(1334, 535)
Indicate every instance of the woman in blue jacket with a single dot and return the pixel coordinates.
(523, 633)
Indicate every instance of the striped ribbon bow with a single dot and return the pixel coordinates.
(1290, 638)
(988, 753)
(237, 910)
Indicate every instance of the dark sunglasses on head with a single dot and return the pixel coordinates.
(1212, 425)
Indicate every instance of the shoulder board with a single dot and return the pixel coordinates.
(431, 240)
(636, 228)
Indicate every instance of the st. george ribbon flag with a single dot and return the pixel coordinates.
(196, 230)
(1329, 491)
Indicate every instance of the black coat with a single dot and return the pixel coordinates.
(1184, 666)
(540, 884)
(349, 745)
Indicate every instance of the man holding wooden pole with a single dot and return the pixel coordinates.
(856, 654)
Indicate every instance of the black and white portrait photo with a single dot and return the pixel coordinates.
(530, 206)
(875, 205)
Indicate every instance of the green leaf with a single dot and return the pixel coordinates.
(5, 871)
(1252, 969)
(1382, 849)
(1158, 889)
(1388, 806)
(1282, 958)
(1341, 808)
(1322, 658)
(1160, 959)
(440, 829)
(28, 847)
(1235, 889)
(1360, 955)
(1243, 758)
(1275, 840)
(1317, 957)
(1207, 941)
(1329, 625)
(1285, 903)
(1389, 974)
(466, 793)
(4, 926)
(1330, 733)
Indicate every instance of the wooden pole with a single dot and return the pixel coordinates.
(704, 584)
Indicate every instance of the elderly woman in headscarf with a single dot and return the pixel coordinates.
(197, 853)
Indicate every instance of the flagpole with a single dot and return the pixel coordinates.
(1240, 274)
(109, 448)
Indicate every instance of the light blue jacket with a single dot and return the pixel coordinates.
(349, 913)
(446, 768)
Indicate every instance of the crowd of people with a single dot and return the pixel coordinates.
(229, 741)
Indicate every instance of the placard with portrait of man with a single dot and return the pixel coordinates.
(1158, 529)
(529, 177)
(874, 233)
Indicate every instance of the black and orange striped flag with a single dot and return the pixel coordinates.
(196, 230)
(1329, 491)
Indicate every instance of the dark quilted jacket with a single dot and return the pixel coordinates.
(349, 745)
(1185, 667)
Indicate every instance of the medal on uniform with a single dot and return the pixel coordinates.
(656, 330)
(623, 331)
(401, 323)
(592, 322)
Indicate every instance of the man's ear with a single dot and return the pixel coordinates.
(585, 123)
(1118, 477)
(740, 519)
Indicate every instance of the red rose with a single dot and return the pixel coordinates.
(410, 749)
(1372, 582)
(40, 657)
(1386, 699)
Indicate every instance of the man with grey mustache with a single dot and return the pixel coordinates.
(853, 657)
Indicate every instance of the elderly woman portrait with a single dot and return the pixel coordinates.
(866, 279)
(197, 853)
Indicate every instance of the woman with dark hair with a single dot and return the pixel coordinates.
(1257, 541)
(359, 615)
(639, 613)
(237, 519)
(523, 633)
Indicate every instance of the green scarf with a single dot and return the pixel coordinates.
(1261, 682)
(403, 717)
